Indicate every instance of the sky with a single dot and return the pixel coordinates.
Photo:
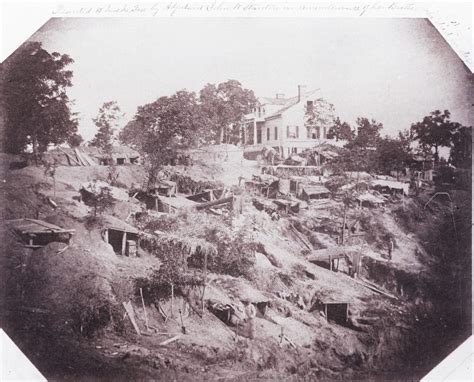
(395, 70)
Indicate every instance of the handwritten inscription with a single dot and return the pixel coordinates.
(241, 8)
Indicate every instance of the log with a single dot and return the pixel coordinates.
(217, 202)
(62, 250)
(144, 309)
(129, 309)
(70, 157)
(172, 339)
(289, 341)
(301, 238)
(375, 289)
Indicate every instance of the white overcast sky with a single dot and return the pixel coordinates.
(393, 70)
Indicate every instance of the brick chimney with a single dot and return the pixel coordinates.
(301, 91)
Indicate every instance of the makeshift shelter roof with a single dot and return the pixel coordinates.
(266, 178)
(95, 186)
(239, 289)
(111, 222)
(315, 189)
(297, 158)
(333, 252)
(116, 152)
(178, 201)
(368, 197)
(26, 225)
(393, 185)
(361, 175)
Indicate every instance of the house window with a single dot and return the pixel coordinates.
(268, 133)
(309, 106)
(276, 133)
(288, 131)
(297, 131)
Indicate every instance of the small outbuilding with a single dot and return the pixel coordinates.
(313, 191)
(123, 238)
(334, 310)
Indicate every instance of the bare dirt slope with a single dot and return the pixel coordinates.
(63, 305)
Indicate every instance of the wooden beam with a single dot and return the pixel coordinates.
(215, 203)
(129, 309)
(124, 243)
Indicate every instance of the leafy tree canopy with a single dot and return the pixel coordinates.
(393, 153)
(162, 128)
(75, 140)
(319, 117)
(434, 131)
(368, 133)
(37, 105)
(340, 131)
(224, 106)
(106, 121)
(461, 150)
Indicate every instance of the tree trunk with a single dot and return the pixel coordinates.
(436, 156)
(35, 150)
(221, 134)
(344, 225)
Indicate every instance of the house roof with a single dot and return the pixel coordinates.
(273, 101)
(24, 226)
(290, 102)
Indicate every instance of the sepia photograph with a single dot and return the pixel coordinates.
(235, 198)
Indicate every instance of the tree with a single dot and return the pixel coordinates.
(75, 140)
(224, 106)
(393, 154)
(368, 133)
(100, 200)
(461, 150)
(37, 105)
(319, 117)
(434, 131)
(107, 122)
(160, 130)
(340, 131)
(50, 171)
(355, 159)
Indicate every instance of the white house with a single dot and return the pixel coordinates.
(280, 123)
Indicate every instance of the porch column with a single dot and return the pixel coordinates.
(254, 132)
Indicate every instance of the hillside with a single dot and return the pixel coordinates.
(64, 302)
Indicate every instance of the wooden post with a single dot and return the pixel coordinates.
(124, 243)
(144, 309)
(205, 282)
(106, 235)
(172, 300)
(326, 311)
(330, 263)
(156, 205)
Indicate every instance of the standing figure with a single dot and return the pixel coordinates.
(390, 248)
(250, 312)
